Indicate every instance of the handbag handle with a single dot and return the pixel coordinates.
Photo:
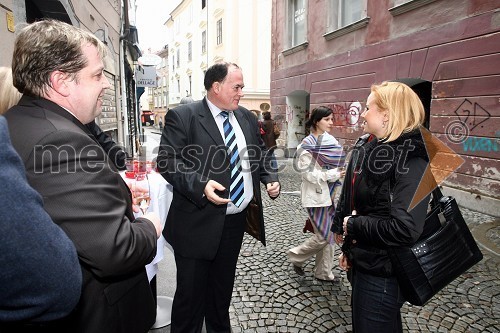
(436, 196)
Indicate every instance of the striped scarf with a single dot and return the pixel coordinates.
(329, 154)
(325, 150)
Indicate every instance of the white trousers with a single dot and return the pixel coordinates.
(315, 245)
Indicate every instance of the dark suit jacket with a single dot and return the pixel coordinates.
(115, 153)
(85, 195)
(192, 151)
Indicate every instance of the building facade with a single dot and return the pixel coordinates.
(329, 52)
(201, 33)
(159, 96)
(109, 21)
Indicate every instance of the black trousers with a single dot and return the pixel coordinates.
(204, 287)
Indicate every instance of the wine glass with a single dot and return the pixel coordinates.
(141, 191)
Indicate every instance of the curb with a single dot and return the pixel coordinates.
(480, 235)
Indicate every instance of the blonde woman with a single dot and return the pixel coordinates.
(373, 213)
(9, 96)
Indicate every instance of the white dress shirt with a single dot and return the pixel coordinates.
(242, 151)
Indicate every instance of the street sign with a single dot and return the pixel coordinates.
(146, 76)
(149, 59)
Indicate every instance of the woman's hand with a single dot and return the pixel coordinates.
(344, 263)
(338, 238)
(345, 221)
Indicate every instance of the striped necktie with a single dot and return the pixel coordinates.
(237, 186)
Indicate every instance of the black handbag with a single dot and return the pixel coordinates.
(445, 250)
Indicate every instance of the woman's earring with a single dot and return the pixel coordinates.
(384, 122)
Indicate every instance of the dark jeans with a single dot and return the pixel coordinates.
(376, 304)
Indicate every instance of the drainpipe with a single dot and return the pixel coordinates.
(125, 30)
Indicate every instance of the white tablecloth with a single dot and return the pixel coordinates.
(161, 196)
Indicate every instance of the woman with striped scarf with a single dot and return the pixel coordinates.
(318, 159)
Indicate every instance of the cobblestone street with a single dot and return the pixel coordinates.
(269, 297)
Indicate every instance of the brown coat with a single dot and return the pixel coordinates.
(269, 138)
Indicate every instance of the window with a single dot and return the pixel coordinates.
(203, 3)
(189, 77)
(173, 62)
(178, 85)
(190, 51)
(177, 25)
(203, 41)
(219, 32)
(190, 14)
(296, 22)
(344, 12)
(178, 57)
(403, 6)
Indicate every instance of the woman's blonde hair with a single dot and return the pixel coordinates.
(9, 96)
(405, 109)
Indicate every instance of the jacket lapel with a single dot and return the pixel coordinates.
(244, 125)
(209, 124)
(53, 107)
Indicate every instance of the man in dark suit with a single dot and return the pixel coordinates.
(115, 152)
(216, 196)
(59, 69)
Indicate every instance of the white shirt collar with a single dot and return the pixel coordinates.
(213, 108)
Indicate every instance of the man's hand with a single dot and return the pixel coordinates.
(213, 197)
(137, 193)
(273, 189)
(155, 219)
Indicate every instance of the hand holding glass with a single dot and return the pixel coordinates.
(141, 193)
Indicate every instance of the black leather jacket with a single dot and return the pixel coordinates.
(380, 183)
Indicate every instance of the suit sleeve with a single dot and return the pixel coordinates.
(184, 177)
(89, 200)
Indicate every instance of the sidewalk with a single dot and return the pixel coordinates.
(269, 297)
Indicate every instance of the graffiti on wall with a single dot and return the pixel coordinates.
(471, 116)
(478, 144)
(346, 113)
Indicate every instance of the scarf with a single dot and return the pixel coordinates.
(325, 150)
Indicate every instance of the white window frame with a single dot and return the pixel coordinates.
(336, 23)
(218, 29)
(203, 42)
(294, 15)
(403, 6)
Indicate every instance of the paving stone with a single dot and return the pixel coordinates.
(269, 297)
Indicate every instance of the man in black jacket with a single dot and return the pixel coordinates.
(115, 153)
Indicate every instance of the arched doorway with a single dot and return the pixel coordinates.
(297, 111)
(55, 9)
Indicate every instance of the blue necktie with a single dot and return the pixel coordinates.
(237, 186)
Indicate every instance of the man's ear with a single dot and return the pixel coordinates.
(58, 82)
(216, 87)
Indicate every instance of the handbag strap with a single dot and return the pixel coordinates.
(436, 196)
